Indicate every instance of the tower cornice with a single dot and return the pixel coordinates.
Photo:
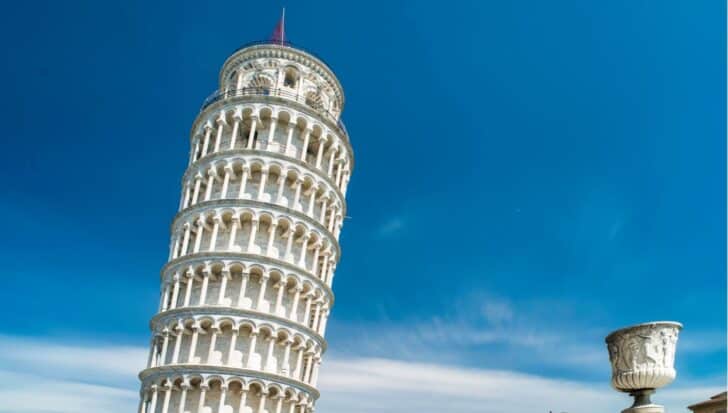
(267, 49)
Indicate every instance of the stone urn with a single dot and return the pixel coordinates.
(643, 358)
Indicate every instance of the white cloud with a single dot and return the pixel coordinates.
(21, 393)
(390, 227)
(497, 312)
(380, 385)
(44, 376)
(107, 362)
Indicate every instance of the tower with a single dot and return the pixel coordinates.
(246, 292)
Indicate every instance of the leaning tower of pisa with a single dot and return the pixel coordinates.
(246, 293)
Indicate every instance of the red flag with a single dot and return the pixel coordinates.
(279, 33)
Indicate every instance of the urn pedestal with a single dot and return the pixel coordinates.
(643, 358)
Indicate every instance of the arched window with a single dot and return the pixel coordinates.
(261, 83)
(290, 78)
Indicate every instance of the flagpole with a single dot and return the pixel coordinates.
(283, 26)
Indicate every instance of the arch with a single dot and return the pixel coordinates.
(314, 100)
(236, 380)
(213, 378)
(291, 77)
(261, 81)
(275, 390)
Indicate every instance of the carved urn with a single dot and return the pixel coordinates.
(643, 358)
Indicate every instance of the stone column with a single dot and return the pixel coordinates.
(243, 181)
(206, 273)
(289, 245)
(195, 150)
(311, 199)
(271, 237)
(233, 342)
(183, 397)
(294, 307)
(179, 333)
(299, 359)
(316, 315)
(211, 178)
(186, 240)
(304, 149)
(251, 350)
(304, 248)
(324, 320)
(243, 399)
(165, 298)
(316, 252)
(243, 284)
(223, 393)
(165, 345)
(198, 235)
(319, 156)
(186, 199)
(263, 178)
(225, 276)
(253, 233)
(261, 293)
(324, 201)
(196, 192)
(281, 286)
(221, 123)
(331, 160)
(251, 135)
(203, 392)
(316, 367)
(297, 195)
(324, 265)
(272, 133)
(339, 165)
(175, 291)
(307, 369)
(167, 395)
(289, 138)
(236, 125)
(193, 343)
(281, 182)
(268, 365)
(155, 394)
(261, 406)
(233, 232)
(208, 131)
(307, 310)
(226, 180)
(286, 357)
(217, 220)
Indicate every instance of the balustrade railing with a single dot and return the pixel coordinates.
(266, 91)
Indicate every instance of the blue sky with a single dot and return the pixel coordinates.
(529, 176)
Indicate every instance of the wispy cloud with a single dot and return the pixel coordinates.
(26, 393)
(497, 312)
(493, 333)
(52, 376)
(381, 385)
(390, 227)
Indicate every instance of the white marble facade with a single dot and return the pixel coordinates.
(246, 293)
